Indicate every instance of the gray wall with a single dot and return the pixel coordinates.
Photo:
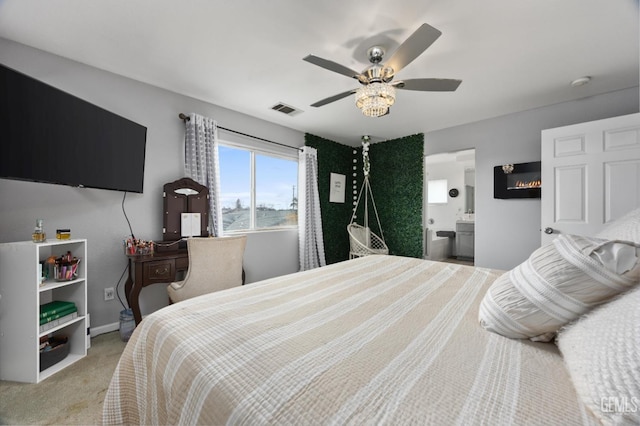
(507, 231)
(97, 214)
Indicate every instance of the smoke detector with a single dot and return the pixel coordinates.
(580, 81)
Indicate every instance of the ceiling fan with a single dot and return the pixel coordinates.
(377, 92)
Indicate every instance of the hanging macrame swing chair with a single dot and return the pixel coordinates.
(362, 241)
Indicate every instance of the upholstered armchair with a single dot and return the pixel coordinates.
(214, 264)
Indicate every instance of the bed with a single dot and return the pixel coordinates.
(375, 340)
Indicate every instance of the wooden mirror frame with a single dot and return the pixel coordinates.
(195, 200)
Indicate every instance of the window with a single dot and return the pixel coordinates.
(258, 190)
(437, 191)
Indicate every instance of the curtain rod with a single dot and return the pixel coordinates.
(185, 118)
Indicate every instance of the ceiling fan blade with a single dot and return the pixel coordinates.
(333, 98)
(428, 84)
(331, 66)
(412, 47)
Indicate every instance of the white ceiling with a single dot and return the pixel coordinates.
(246, 55)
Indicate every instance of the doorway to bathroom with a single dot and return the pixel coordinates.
(449, 207)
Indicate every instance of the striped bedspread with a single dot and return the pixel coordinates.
(374, 340)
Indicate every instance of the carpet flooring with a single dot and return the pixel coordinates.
(72, 396)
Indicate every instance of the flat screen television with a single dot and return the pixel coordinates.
(54, 137)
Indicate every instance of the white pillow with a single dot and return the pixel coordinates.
(602, 353)
(626, 228)
(558, 283)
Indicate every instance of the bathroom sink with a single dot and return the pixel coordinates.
(467, 218)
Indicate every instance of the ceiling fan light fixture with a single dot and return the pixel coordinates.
(376, 94)
(387, 74)
(374, 99)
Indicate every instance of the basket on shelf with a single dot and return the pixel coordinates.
(64, 268)
(56, 350)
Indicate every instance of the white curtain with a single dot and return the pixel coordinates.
(201, 163)
(309, 221)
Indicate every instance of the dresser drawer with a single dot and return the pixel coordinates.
(182, 263)
(160, 271)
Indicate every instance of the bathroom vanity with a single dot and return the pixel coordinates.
(465, 231)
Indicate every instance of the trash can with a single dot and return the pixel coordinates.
(127, 324)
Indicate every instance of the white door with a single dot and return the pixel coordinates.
(590, 175)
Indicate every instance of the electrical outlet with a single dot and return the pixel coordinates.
(109, 293)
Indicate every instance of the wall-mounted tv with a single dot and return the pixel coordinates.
(51, 136)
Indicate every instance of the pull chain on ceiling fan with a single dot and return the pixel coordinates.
(378, 92)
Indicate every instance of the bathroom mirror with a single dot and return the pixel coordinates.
(186, 191)
(469, 189)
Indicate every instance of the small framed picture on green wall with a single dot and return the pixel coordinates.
(336, 193)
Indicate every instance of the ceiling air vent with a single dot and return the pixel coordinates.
(285, 109)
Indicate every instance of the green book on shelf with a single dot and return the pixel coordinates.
(55, 307)
(60, 321)
(60, 314)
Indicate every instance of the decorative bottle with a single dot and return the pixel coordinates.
(38, 235)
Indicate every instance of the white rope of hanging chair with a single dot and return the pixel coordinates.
(361, 240)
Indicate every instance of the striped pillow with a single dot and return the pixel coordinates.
(558, 283)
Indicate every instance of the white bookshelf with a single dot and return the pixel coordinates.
(22, 293)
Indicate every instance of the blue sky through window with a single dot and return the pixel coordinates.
(235, 176)
(276, 179)
(276, 182)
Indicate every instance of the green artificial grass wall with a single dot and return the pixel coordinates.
(396, 179)
(333, 158)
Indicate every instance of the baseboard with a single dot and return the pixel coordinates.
(107, 328)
